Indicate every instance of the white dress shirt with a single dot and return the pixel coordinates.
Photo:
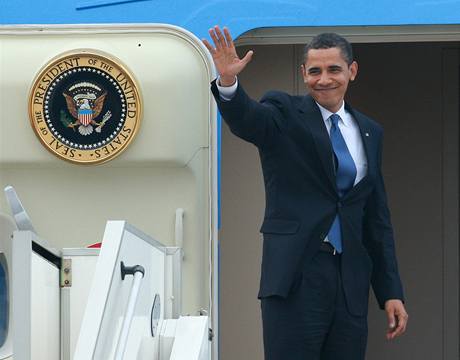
(350, 132)
(226, 92)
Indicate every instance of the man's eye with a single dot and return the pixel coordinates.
(313, 72)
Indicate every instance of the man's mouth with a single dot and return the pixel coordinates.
(325, 89)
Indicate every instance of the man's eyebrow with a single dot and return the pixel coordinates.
(334, 67)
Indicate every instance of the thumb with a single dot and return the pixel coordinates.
(391, 318)
(247, 58)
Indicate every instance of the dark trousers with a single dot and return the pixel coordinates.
(313, 322)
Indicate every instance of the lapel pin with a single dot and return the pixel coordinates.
(367, 134)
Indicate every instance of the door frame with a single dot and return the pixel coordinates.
(450, 143)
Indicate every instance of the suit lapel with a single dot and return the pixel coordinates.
(314, 121)
(368, 140)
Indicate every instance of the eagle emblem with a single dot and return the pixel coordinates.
(85, 106)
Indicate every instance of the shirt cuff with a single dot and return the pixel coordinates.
(226, 93)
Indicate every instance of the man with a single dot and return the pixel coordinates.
(327, 230)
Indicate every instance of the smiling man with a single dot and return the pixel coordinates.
(327, 229)
(326, 72)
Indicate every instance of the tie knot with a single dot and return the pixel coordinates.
(334, 119)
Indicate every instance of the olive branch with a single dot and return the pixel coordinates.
(65, 119)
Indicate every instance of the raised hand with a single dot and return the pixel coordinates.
(226, 60)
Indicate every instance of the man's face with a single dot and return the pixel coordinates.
(326, 75)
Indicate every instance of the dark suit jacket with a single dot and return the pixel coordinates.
(302, 199)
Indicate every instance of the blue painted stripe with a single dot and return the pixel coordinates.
(86, 5)
(241, 16)
(219, 152)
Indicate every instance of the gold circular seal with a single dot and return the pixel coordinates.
(85, 107)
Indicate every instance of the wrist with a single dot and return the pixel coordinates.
(227, 81)
(392, 301)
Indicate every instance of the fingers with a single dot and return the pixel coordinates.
(391, 323)
(401, 327)
(215, 38)
(225, 57)
(247, 58)
(397, 321)
(221, 40)
(220, 36)
(208, 46)
(228, 37)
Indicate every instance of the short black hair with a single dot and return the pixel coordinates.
(327, 41)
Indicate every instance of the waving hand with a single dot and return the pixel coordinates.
(226, 60)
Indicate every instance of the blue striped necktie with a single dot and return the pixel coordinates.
(345, 176)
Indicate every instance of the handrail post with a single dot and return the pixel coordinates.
(138, 273)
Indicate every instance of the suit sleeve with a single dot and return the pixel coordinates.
(255, 122)
(379, 241)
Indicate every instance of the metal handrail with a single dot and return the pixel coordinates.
(178, 258)
(179, 229)
(138, 274)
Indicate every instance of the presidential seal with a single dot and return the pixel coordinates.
(85, 107)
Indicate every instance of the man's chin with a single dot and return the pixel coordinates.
(332, 106)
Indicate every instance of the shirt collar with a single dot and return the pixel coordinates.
(326, 114)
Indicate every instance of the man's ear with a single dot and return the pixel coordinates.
(304, 72)
(353, 70)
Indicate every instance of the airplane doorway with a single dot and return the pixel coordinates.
(412, 89)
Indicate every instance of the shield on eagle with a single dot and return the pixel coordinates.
(85, 116)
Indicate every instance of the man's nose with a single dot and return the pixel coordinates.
(324, 79)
